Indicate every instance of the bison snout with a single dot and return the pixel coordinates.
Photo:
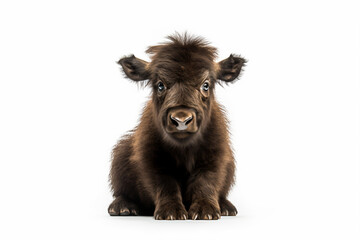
(181, 120)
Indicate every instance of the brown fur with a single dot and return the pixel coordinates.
(160, 170)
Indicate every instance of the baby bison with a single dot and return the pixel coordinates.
(177, 163)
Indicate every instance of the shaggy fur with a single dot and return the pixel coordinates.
(159, 168)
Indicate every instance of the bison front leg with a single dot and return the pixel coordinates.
(202, 191)
(168, 200)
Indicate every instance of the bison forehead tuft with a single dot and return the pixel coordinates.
(182, 47)
(182, 58)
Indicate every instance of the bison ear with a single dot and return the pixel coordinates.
(230, 68)
(135, 68)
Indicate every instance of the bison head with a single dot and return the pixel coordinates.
(182, 74)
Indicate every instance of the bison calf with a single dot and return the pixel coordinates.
(177, 163)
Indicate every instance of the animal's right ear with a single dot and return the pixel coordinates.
(135, 68)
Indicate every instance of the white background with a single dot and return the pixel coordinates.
(294, 115)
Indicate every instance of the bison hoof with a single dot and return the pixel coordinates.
(171, 212)
(204, 211)
(121, 207)
(227, 208)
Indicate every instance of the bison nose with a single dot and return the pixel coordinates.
(181, 124)
(181, 119)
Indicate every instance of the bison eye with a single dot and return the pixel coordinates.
(160, 86)
(205, 86)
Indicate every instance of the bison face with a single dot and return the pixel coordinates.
(182, 75)
(182, 103)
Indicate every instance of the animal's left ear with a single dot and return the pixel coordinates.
(230, 68)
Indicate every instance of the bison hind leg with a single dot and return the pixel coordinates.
(123, 207)
(227, 208)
